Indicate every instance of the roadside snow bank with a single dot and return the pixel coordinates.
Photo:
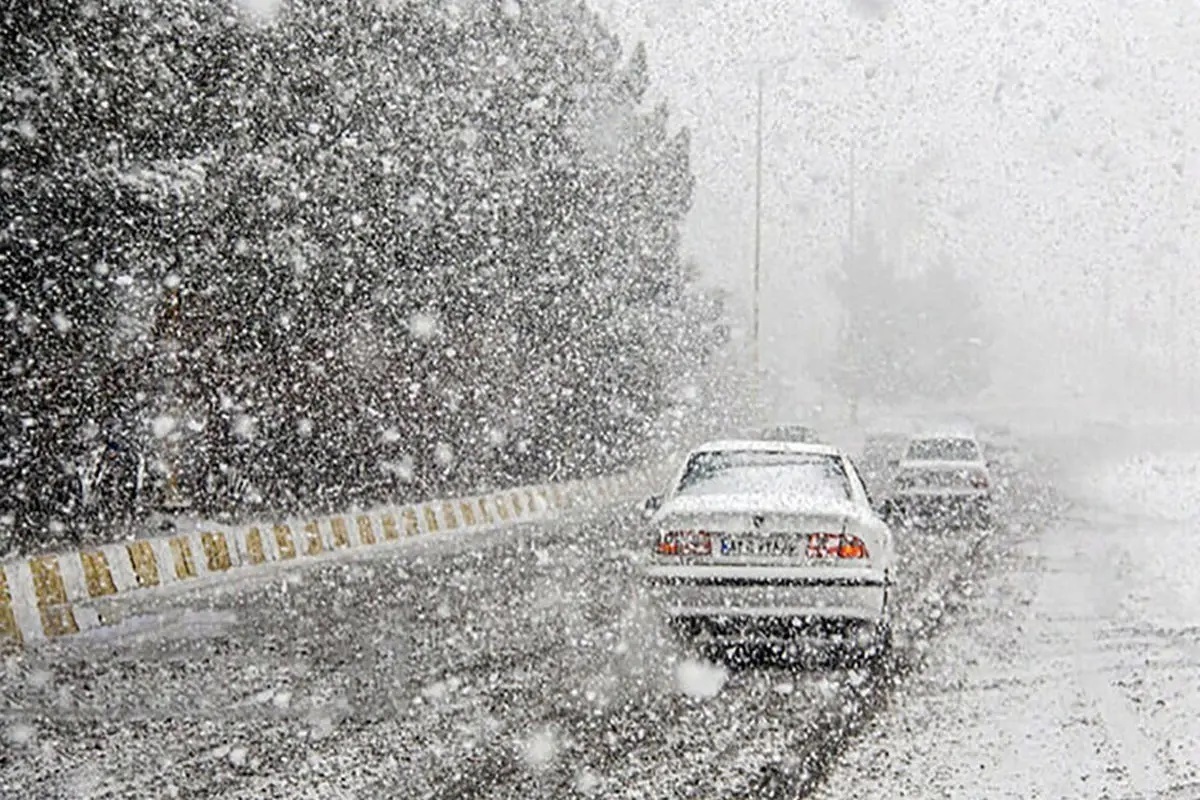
(1143, 511)
(1156, 486)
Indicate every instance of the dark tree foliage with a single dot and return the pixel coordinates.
(359, 251)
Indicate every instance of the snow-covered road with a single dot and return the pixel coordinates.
(1075, 671)
(526, 667)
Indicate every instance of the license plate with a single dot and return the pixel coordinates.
(779, 546)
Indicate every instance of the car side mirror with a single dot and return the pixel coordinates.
(652, 504)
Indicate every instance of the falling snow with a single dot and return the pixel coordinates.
(443, 454)
(244, 426)
(163, 425)
(321, 296)
(20, 734)
(699, 679)
(541, 749)
(423, 326)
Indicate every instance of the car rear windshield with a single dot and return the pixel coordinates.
(943, 450)
(761, 472)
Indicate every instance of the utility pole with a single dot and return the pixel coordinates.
(1174, 331)
(1106, 319)
(758, 159)
(850, 178)
(851, 252)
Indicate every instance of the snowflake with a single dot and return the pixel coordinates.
(699, 679)
(162, 425)
(423, 326)
(540, 749)
(20, 733)
(243, 427)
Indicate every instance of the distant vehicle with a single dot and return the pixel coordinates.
(998, 439)
(787, 432)
(943, 476)
(880, 452)
(766, 542)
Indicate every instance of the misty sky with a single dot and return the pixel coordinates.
(1041, 149)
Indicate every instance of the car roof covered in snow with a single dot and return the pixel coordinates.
(766, 446)
(787, 426)
(960, 430)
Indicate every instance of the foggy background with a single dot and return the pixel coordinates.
(1049, 154)
(961, 209)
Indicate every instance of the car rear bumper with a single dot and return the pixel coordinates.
(803, 598)
(942, 502)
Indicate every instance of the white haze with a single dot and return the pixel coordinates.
(1049, 152)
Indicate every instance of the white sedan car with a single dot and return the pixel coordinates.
(943, 476)
(763, 541)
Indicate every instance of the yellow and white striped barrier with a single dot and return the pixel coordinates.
(46, 597)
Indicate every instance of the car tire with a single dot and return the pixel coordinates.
(880, 649)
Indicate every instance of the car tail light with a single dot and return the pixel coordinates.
(684, 543)
(836, 545)
(851, 547)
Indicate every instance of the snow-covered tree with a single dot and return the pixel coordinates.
(353, 251)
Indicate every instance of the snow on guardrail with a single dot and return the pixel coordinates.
(40, 595)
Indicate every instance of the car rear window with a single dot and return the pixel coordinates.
(763, 472)
(942, 450)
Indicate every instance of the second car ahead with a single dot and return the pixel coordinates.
(766, 542)
(943, 477)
